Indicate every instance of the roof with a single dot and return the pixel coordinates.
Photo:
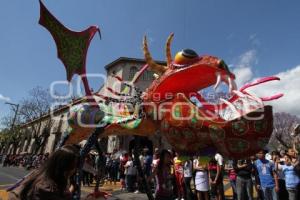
(127, 59)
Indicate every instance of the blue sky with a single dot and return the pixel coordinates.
(261, 36)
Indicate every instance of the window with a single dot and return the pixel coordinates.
(150, 76)
(147, 76)
(133, 70)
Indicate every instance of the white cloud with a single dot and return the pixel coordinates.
(3, 98)
(243, 67)
(243, 75)
(288, 85)
(247, 59)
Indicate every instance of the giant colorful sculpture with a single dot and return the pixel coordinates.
(236, 127)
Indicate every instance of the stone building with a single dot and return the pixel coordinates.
(126, 68)
(43, 134)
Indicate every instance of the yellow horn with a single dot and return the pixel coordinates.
(168, 49)
(156, 68)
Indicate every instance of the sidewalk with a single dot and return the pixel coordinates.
(107, 187)
(121, 195)
(117, 194)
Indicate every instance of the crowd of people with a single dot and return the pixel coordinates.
(274, 176)
(28, 161)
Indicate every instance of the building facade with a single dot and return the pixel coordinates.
(43, 134)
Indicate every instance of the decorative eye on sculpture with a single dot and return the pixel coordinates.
(185, 58)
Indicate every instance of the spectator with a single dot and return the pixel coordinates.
(232, 177)
(295, 160)
(147, 163)
(142, 157)
(87, 176)
(201, 179)
(50, 181)
(293, 155)
(220, 160)
(188, 175)
(100, 162)
(178, 168)
(282, 193)
(155, 158)
(291, 179)
(108, 166)
(254, 179)
(267, 177)
(163, 176)
(154, 165)
(4, 160)
(131, 172)
(123, 161)
(114, 169)
(244, 169)
(215, 179)
(174, 181)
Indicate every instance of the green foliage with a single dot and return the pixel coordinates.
(10, 136)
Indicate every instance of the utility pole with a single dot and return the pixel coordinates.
(16, 110)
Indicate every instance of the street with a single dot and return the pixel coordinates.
(10, 175)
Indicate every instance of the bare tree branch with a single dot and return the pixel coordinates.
(284, 125)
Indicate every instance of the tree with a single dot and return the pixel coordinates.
(11, 133)
(37, 104)
(10, 137)
(284, 125)
(4, 134)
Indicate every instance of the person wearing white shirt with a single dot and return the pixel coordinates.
(130, 173)
(219, 158)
